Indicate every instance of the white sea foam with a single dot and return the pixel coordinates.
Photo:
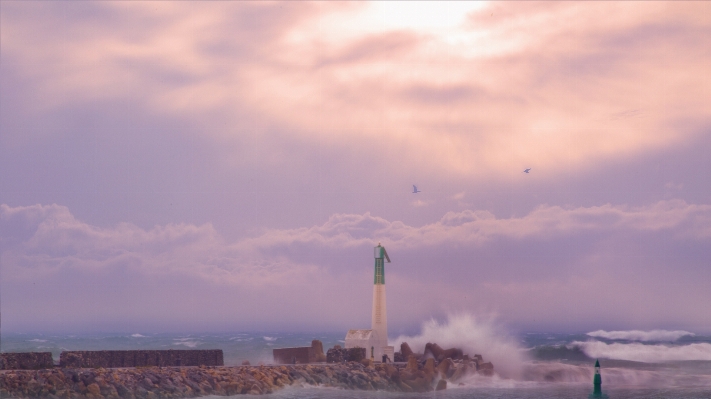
(269, 338)
(38, 340)
(645, 353)
(137, 335)
(639, 335)
(189, 344)
(473, 336)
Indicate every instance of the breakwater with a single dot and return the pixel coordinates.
(190, 382)
(115, 358)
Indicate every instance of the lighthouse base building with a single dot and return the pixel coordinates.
(375, 340)
(373, 344)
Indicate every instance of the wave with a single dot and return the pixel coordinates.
(645, 353)
(473, 336)
(639, 335)
(38, 340)
(189, 344)
(269, 338)
(138, 336)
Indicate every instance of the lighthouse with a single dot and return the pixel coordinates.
(375, 340)
(379, 319)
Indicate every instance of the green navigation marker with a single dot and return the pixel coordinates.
(597, 380)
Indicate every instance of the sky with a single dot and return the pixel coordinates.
(229, 166)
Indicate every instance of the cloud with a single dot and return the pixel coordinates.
(484, 264)
(563, 84)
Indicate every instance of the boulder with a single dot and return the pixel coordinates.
(433, 349)
(411, 364)
(462, 371)
(441, 385)
(245, 363)
(405, 350)
(446, 368)
(452, 353)
(486, 369)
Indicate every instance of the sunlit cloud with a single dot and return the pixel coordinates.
(468, 88)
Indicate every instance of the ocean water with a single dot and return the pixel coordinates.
(664, 364)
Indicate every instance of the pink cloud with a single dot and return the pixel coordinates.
(562, 84)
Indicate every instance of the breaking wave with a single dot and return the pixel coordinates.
(639, 335)
(137, 335)
(645, 353)
(473, 337)
(189, 342)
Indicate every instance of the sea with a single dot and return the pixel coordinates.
(634, 364)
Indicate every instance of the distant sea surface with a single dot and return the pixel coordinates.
(558, 365)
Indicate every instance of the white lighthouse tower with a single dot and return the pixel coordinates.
(379, 319)
(375, 340)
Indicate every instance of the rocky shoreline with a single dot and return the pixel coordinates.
(191, 382)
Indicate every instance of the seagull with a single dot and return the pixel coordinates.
(415, 190)
(527, 170)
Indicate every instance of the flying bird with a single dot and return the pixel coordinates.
(415, 190)
(527, 170)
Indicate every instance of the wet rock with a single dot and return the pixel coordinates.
(441, 385)
(405, 350)
(433, 349)
(486, 369)
(411, 364)
(446, 368)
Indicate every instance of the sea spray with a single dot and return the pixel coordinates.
(473, 336)
(638, 335)
(645, 353)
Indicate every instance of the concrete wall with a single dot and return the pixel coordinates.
(300, 355)
(26, 361)
(141, 358)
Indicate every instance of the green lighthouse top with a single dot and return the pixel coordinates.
(380, 256)
(597, 363)
(380, 252)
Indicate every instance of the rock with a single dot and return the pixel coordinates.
(430, 372)
(486, 369)
(452, 353)
(446, 368)
(245, 363)
(441, 385)
(429, 366)
(411, 364)
(433, 349)
(405, 350)
(94, 389)
(461, 371)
